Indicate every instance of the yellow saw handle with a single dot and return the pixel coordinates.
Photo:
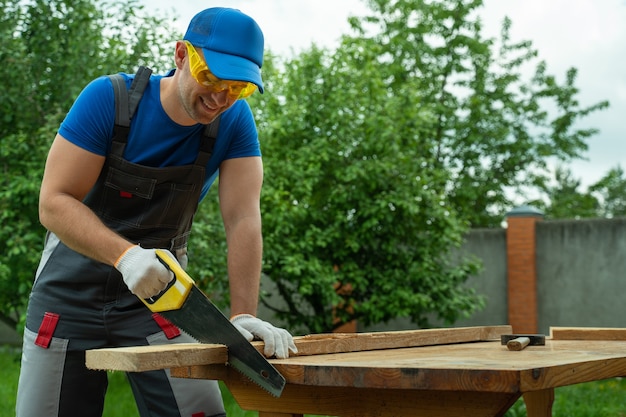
(173, 297)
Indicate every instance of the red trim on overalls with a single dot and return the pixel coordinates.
(170, 330)
(200, 414)
(46, 330)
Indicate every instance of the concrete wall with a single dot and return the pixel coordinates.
(581, 273)
(489, 245)
(580, 268)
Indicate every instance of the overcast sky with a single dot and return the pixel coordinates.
(587, 34)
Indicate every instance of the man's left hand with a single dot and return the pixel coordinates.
(278, 342)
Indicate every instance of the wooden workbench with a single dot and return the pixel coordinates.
(436, 373)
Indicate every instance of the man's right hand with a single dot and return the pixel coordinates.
(142, 271)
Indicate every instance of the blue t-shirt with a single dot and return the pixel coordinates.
(155, 140)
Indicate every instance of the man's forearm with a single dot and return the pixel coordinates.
(80, 229)
(70, 174)
(245, 251)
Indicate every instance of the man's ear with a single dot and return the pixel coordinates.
(180, 54)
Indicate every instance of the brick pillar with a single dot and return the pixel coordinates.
(521, 268)
(351, 326)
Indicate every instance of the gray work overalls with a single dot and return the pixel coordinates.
(78, 304)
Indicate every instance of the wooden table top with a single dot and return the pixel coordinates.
(458, 372)
(462, 359)
(478, 366)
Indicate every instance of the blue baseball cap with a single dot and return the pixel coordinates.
(232, 43)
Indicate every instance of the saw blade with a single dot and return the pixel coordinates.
(191, 310)
(207, 324)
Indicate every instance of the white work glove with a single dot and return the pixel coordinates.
(278, 342)
(143, 272)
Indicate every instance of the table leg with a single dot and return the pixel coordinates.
(539, 403)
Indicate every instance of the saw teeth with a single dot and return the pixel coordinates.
(203, 321)
(249, 378)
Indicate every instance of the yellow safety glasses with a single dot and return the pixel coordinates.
(200, 71)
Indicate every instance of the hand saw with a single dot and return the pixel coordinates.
(187, 307)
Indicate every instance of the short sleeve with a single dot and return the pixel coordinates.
(89, 122)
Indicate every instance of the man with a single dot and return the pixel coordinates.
(109, 199)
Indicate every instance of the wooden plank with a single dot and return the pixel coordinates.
(587, 333)
(148, 358)
(321, 344)
(144, 358)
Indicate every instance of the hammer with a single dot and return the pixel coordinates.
(520, 341)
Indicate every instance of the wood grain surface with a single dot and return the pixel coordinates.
(587, 333)
(460, 372)
(147, 358)
(438, 361)
(478, 367)
(320, 344)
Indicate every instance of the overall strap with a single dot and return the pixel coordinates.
(138, 86)
(209, 138)
(126, 103)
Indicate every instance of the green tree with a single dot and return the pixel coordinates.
(611, 192)
(356, 224)
(51, 50)
(381, 154)
(208, 251)
(492, 128)
(378, 155)
(565, 199)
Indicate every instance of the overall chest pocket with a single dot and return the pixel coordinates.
(142, 203)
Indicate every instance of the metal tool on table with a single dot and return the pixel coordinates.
(186, 306)
(519, 342)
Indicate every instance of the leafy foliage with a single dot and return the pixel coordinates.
(492, 127)
(207, 251)
(563, 197)
(379, 156)
(382, 153)
(51, 50)
(611, 193)
(21, 235)
(356, 222)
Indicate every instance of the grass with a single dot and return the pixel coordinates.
(9, 366)
(119, 400)
(594, 399)
(605, 398)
